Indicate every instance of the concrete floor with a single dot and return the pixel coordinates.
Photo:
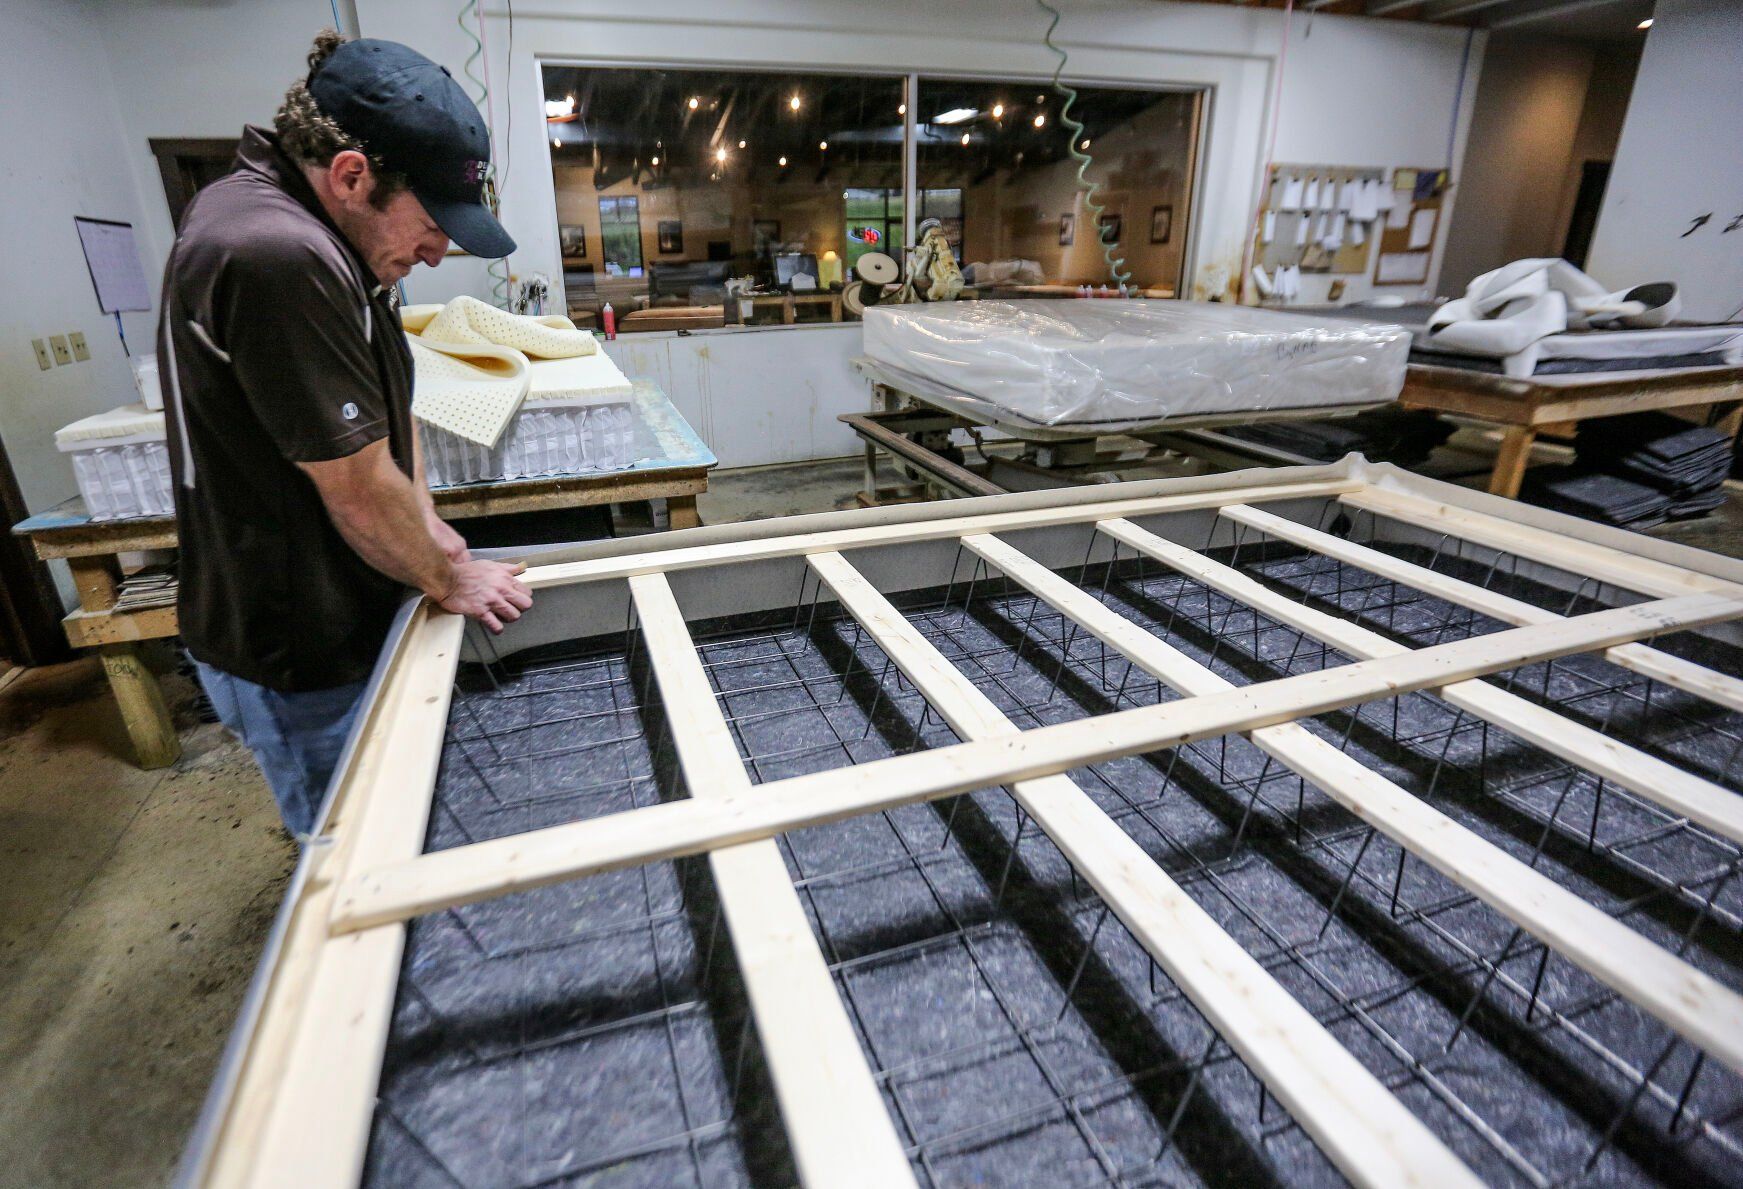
(133, 904)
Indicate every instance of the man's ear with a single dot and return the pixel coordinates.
(348, 173)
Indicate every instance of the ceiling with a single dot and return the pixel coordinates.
(1586, 20)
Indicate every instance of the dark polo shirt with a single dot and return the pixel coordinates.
(276, 346)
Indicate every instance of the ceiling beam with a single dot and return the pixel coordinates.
(1442, 10)
(1507, 20)
(1380, 8)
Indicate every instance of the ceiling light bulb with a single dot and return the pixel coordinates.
(1084, 145)
(694, 103)
(823, 145)
(793, 103)
(901, 109)
(1040, 120)
(965, 138)
(998, 110)
(720, 154)
(783, 162)
(741, 144)
(1646, 24)
(656, 160)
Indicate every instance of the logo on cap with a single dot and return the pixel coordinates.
(474, 171)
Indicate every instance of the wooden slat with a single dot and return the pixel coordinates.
(669, 560)
(1367, 1133)
(538, 857)
(1626, 570)
(1661, 666)
(303, 1107)
(1685, 794)
(1697, 1006)
(838, 1127)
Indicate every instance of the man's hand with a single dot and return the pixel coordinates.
(452, 544)
(489, 592)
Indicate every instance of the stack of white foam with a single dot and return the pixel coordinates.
(121, 463)
(578, 417)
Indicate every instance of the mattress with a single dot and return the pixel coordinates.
(1113, 365)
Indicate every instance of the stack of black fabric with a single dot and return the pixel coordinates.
(1637, 471)
(1388, 434)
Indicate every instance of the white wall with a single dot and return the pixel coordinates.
(1680, 158)
(1356, 92)
(1528, 112)
(60, 154)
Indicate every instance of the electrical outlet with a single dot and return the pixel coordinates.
(81, 351)
(43, 359)
(58, 344)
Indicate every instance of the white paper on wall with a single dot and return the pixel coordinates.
(1268, 231)
(113, 258)
(1398, 217)
(1291, 200)
(1422, 229)
(1310, 197)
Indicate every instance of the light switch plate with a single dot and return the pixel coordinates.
(43, 359)
(58, 344)
(81, 351)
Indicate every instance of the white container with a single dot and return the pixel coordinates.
(145, 378)
(545, 439)
(121, 463)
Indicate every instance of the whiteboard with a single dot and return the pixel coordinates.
(113, 258)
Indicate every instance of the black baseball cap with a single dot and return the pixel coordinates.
(410, 113)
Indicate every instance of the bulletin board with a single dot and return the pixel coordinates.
(1351, 258)
(1408, 232)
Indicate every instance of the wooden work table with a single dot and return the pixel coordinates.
(1557, 403)
(92, 549)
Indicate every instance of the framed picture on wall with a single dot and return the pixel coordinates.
(573, 238)
(671, 235)
(1161, 224)
(1110, 229)
(1067, 230)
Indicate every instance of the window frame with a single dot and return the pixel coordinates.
(911, 81)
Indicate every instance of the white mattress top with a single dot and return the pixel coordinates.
(134, 422)
(1115, 364)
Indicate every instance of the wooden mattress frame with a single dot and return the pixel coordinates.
(294, 1098)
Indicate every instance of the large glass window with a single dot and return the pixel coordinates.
(671, 182)
(996, 159)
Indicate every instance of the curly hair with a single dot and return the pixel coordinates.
(311, 137)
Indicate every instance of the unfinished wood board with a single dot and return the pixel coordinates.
(1368, 1133)
(1674, 671)
(840, 1131)
(1700, 800)
(314, 1052)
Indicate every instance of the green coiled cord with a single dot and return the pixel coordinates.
(496, 270)
(1115, 270)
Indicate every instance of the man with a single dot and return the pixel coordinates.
(300, 499)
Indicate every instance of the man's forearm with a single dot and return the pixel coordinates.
(384, 522)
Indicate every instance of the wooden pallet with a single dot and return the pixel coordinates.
(306, 1059)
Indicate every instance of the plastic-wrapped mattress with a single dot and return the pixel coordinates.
(1112, 365)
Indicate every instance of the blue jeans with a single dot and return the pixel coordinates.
(296, 738)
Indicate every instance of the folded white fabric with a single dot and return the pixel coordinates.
(471, 363)
(1505, 311)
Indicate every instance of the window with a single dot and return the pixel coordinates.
(996, 170)
(620, 236)
(671, 182)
